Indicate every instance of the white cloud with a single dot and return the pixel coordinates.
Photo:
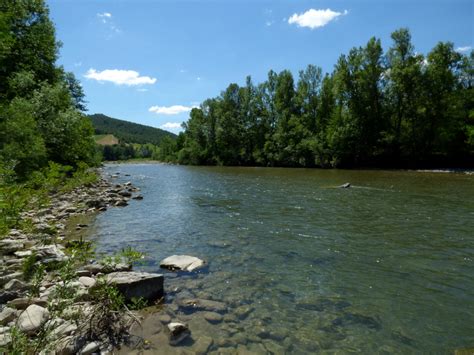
(315, 18)
(142, 90)
(170, 110)
(463, 49)
(198, 78)
(119, 77)
(171, 125)
(105, 15)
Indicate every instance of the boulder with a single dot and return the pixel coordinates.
(138, 197)
(31, 320)
(138, 284)
(345, 186)
(181, 262)
(178, 332)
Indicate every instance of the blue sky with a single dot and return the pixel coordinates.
(150, 61)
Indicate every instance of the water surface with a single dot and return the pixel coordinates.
(385, 266)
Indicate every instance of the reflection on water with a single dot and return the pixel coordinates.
(302, 266)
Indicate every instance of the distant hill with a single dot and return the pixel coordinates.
(106, 139)
(128, 132)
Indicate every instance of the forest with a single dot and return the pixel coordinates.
(376, 109)
(42, 106)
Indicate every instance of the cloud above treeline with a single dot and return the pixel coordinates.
(463, 49)
(171, 125)
(119, 77)
(170, 110)
(315, 18)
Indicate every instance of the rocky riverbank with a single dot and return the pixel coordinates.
(56, 296)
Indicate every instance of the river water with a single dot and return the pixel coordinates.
(386, 266)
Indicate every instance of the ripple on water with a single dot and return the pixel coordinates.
(303, 268)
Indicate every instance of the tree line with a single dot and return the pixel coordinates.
(398, 108)
(41, 105)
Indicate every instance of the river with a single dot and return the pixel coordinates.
(386, 266)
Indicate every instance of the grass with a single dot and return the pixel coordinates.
(106, 139)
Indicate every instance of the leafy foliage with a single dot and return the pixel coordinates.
(374, 109)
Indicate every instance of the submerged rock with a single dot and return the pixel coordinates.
(203, 305)
(138, 284)
(181, 262)
(178, 332)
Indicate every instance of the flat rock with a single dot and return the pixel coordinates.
(105, 269)
(9, 246)
(7, 315)
(138, 284)
(181, 262)
(32, 319)
(49, 253)
(15, 285)
(24, 302)
(178, 332)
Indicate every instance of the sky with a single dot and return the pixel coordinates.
(151, 61)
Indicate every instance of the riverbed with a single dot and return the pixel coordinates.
(302, 265)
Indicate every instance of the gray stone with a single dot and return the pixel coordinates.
(121, 203)
(178, 332)
(24, 302)
(5, 339)
(23, 253)
(15, 285)
(213, 317)
(6, 278)
(105, 269)
(90, 348)
(65, 346)
(345, 186)
(164, 318)
(7, 315)
(49, 253)
(9, 246)
(87, 281)
(32, 319)
(202, 345)
(138, 197)
(203, 305)
(181, 262)
(138, 284)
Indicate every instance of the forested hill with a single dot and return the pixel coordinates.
(128, 132)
